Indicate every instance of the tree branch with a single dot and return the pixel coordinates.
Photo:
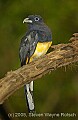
(62, 55)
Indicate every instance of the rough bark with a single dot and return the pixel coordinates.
(61, 55)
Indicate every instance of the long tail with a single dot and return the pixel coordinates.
(29, 96)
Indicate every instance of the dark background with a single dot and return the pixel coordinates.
(56, 92)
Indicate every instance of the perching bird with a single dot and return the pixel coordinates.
(34, 44)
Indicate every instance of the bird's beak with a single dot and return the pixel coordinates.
(27, 20)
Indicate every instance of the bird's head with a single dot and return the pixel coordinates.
(33, 19)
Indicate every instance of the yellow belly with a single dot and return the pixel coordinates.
(41, 49)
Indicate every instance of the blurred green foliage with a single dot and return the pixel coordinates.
(56, 92)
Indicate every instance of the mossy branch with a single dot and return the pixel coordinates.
(61, 55)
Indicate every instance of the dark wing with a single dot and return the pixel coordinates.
(27, 46)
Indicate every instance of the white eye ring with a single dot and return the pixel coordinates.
(36, 19)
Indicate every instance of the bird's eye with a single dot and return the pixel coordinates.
(36, 19)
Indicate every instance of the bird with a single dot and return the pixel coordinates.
(34, 44)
